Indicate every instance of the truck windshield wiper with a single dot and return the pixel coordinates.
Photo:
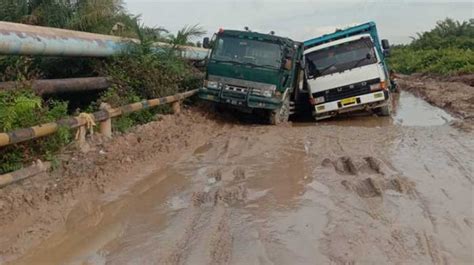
(321, 72)
(250, 64)
(260, 65)
(225, 61)
(359, 61)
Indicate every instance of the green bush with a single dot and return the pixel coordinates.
(20, 109)
(446, 49)
(407, 60)
(145, 73)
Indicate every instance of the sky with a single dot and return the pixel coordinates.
(397, 20)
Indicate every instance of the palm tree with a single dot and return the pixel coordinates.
(96, 16)
(186, 34)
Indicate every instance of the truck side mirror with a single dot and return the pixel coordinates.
(206, 43)
(386, 53)
(385, 44)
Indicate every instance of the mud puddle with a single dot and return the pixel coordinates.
(408, 110)
(413, 111)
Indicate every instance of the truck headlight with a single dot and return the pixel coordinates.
(378, 86)
(319, 100)
(268, 91)
(211, 84)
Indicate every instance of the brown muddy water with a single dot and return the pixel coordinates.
(364, 190)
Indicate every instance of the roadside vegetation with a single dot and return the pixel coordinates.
(140, 74)
(446, 49)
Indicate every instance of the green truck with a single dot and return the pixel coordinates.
(254, 73)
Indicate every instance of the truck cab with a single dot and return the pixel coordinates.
(252, 72)
(347, 71)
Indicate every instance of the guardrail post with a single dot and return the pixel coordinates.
(176, 106)
(105, 126)
(81, 135)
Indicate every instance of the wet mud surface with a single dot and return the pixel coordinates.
(364, 190)
(454, 94)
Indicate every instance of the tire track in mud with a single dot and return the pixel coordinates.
(459, 165)
(374, 183)
(208, 237)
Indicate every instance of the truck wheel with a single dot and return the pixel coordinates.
(282, 114)
(394, 86)
(384, 110)
(217, 107)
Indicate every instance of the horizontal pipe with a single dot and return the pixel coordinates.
(54, 86)
(21, 39)
(25, 134)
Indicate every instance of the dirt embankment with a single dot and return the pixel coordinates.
(454, 94)
(31, 210)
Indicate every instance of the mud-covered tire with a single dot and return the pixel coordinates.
(218, 108)
(281, 114)
(384, 111)
(394, 88)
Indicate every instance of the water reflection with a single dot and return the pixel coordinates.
(407, 110)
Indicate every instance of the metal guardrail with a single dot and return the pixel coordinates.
(24, 173)
(21, 39)
(103, 116)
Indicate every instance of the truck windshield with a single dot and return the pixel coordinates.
(341, 57)
(245, 51)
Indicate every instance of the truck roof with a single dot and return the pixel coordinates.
(368, 27)
(256, 35)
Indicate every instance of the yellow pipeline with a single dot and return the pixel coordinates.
(6, 179)
(4, 139)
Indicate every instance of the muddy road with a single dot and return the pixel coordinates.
(366, 190)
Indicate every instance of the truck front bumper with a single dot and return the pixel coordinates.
(366, 101)
(238, 99)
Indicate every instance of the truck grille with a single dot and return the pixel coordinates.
(236, 89)
(234, 92)
(347, 91)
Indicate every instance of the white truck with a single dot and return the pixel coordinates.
(346, 71)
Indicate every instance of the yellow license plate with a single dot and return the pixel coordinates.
(349, 101)
(378, 95)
